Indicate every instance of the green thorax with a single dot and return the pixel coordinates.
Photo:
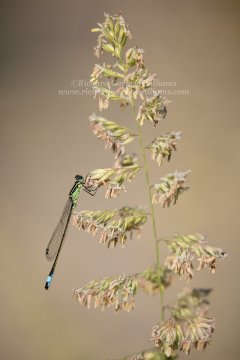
(75, 191)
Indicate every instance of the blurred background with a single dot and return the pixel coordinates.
(46, 140)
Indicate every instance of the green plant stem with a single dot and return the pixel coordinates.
(151, 350)
(153, 216)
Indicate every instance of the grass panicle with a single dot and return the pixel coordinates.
(126, 80)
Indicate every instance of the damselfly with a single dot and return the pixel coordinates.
(56, 242)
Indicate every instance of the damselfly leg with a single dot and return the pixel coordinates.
(90, 191)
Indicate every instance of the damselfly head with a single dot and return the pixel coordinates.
(79, 178)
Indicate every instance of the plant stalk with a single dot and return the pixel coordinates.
(153, 216)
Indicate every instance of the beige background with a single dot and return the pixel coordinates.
(46, 140)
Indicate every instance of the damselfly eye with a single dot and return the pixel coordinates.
(79, 178)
